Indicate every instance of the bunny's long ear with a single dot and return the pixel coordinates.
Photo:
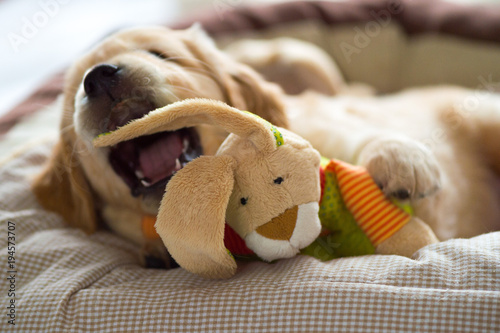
(197, 111)
(192, 216)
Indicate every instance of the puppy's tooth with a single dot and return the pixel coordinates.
(185, 145)
(178, 165)
(145, 182)
(139, 174)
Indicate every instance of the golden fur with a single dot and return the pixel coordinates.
(78, 182)
(425, 141)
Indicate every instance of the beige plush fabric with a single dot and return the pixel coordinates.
(66, 281)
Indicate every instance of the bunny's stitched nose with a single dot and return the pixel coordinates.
(280, 227)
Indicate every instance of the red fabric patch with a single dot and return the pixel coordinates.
(322, 182)
(234, 243)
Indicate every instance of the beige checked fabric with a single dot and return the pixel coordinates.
(69, 282)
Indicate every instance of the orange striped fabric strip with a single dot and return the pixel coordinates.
(148, 227)
(375, 214)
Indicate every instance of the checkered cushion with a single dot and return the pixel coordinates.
(69, 282)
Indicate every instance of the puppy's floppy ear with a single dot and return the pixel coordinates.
(244, 88)
(191, 219)
(62, 188)
(247, 90)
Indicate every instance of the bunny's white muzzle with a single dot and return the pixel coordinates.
(285, 235)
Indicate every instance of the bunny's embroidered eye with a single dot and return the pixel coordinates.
(278, 180)
(244, 201)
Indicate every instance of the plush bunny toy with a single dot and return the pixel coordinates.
(264, 182)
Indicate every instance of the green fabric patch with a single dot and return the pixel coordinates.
(341, 235)
(277, 134)
(102, 134)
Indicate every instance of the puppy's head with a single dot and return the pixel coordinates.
(123, 78)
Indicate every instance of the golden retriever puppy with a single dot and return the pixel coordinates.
(419, 145)
(125, 77)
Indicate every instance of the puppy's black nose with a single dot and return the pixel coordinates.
(100, 79)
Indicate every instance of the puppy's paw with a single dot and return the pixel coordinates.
(403, 169)
(155, 255)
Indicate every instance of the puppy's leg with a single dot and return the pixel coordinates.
(128, 224)
(403, 168)
(155, 255)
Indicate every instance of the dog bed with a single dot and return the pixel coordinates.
(57, 279)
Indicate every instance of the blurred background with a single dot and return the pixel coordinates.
(41, 37)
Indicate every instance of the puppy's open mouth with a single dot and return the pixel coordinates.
(149, 162)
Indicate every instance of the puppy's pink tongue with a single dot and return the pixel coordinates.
(158, 160)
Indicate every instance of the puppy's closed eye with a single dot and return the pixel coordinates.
(158, 54)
